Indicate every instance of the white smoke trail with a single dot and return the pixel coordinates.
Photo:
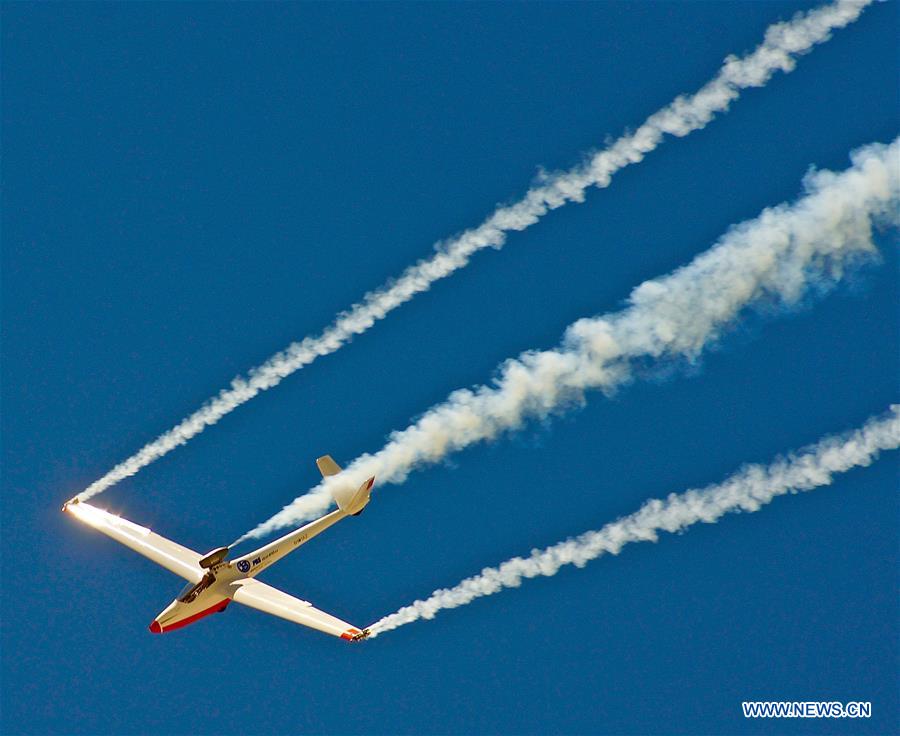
(776, 256)
(748, 490)
(783, 43)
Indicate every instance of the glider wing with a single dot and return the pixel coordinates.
(172, 556)
(264, 597)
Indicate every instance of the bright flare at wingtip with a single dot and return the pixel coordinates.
(748, 490)
(783, 42)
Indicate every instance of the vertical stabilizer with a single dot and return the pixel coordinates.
(349, 499)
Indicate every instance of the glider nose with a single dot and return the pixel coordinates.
(155, 627)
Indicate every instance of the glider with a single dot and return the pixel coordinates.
(213, 581)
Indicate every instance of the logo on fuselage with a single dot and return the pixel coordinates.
(243, 566)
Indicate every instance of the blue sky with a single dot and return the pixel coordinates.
(188, 188)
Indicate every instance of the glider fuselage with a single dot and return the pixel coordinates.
(211, 595)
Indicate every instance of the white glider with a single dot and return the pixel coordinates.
(213, 582)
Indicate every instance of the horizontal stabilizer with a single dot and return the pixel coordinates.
(327, 466)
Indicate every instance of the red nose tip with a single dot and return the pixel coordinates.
(155, 627)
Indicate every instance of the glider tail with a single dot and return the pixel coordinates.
(349, 500)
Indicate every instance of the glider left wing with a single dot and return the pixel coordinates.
(264, 597)
(182, 561)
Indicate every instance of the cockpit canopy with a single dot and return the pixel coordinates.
(190, 591)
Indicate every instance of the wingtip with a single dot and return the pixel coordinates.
(353, 635)
(71, 502)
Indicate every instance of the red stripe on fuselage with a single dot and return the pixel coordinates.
(220, 606)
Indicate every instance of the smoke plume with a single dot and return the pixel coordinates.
(783, 42)
(776, 257)
(752, 487)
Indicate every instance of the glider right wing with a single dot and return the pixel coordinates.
(264, 597)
